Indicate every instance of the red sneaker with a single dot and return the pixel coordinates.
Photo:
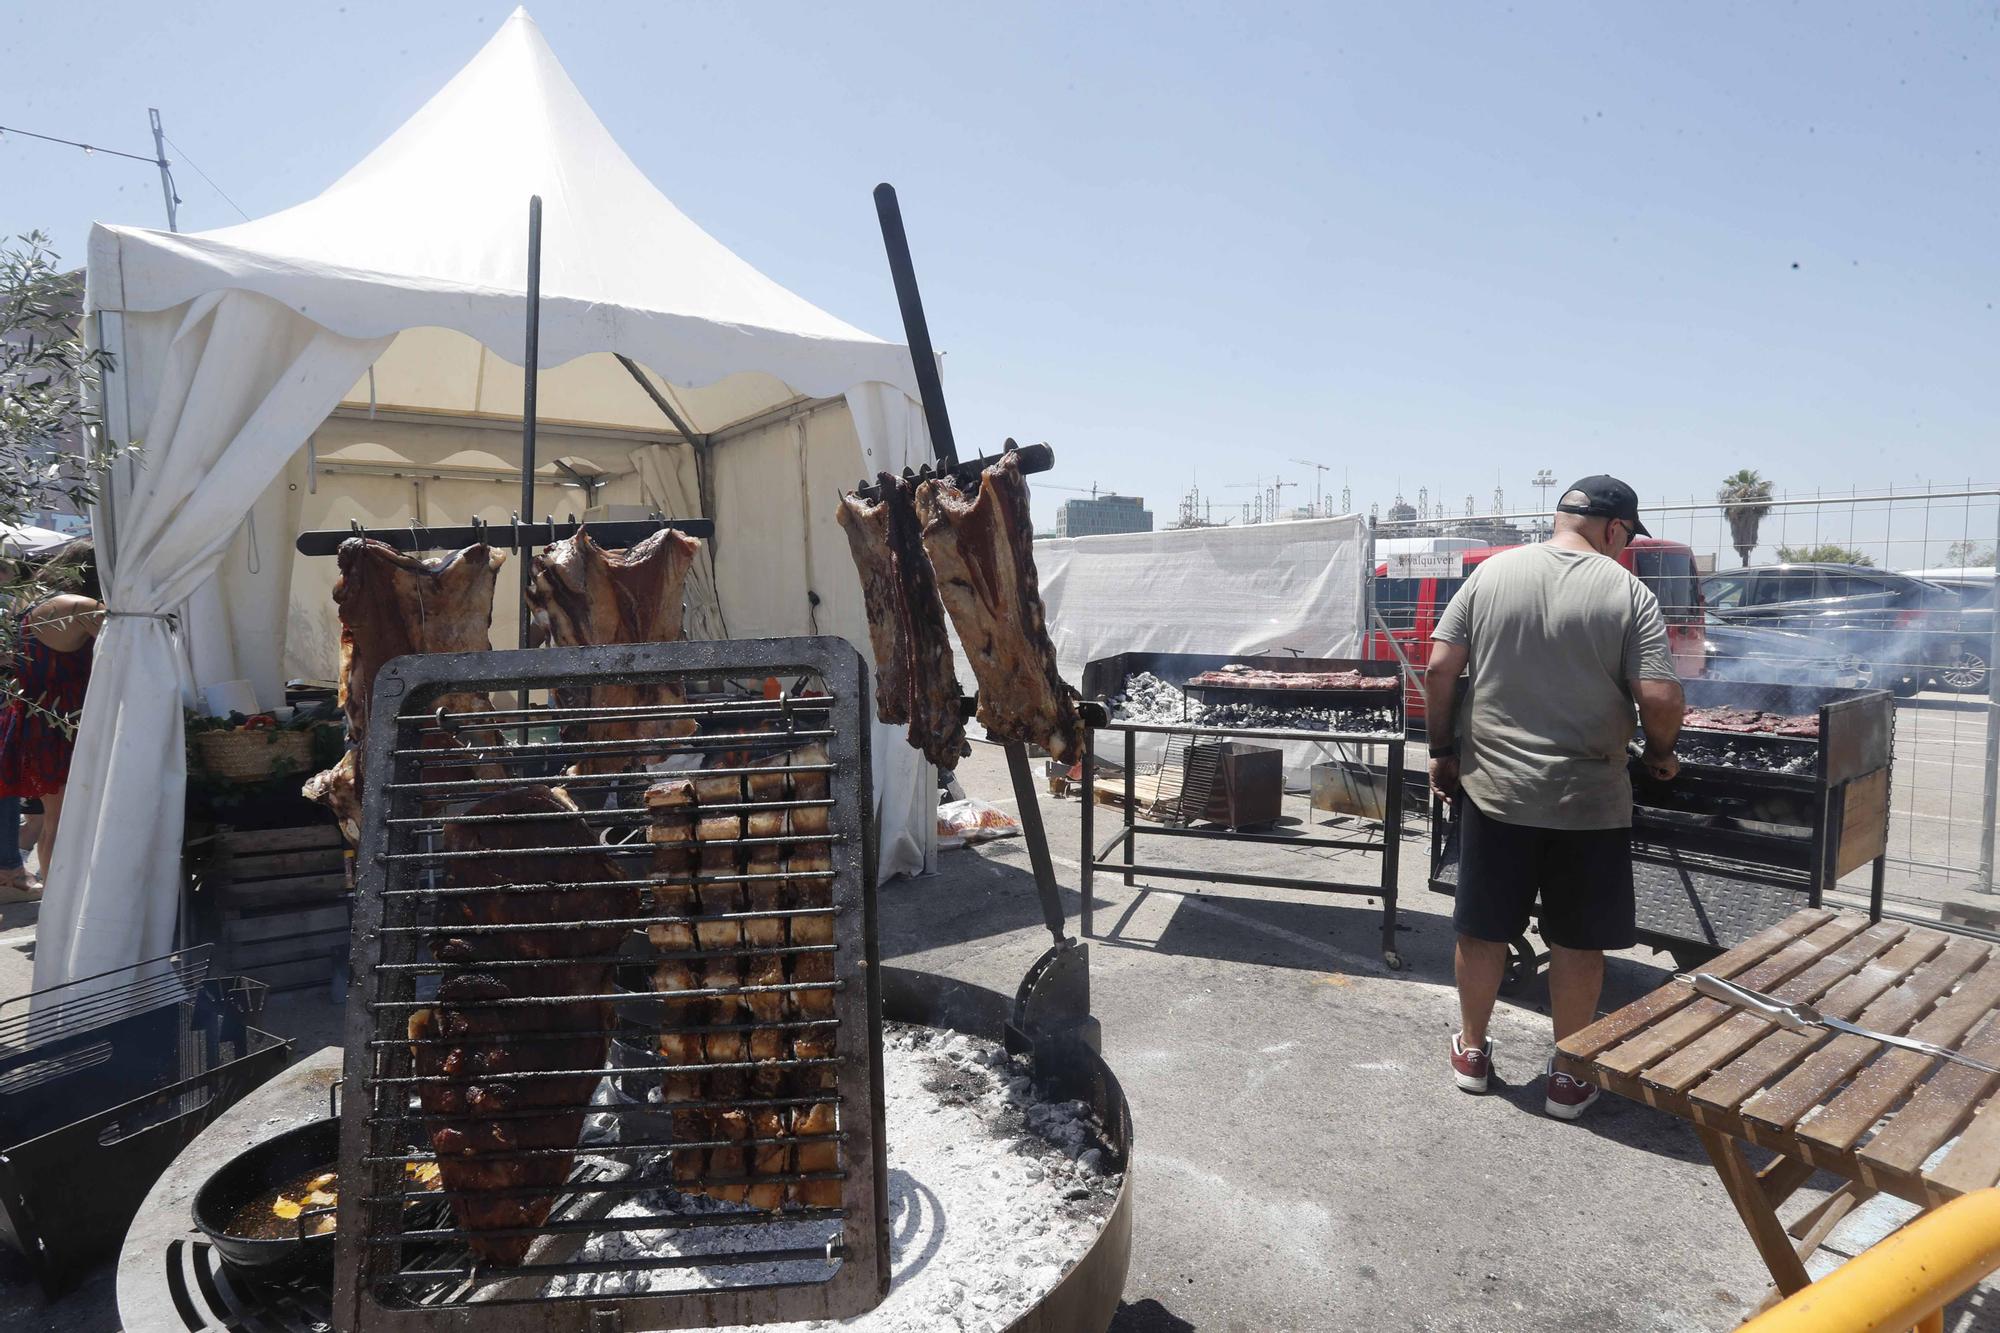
(1470, 1067)
(1568, 1098)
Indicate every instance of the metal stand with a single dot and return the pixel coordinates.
(1125, 841)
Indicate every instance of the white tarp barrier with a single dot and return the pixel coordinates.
(1269, 588)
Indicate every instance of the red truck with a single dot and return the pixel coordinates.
(1410, 607)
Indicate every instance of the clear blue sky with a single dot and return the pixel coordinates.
(1430, 245)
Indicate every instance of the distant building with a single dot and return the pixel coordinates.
(1106, 513)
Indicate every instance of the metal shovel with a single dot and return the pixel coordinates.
(1800, 1016)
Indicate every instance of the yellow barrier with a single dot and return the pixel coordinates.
(1905, 1280)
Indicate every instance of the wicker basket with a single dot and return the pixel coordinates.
(254, 755)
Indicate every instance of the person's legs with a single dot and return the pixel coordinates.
(1479, 966)
(45, 845)
(1576, 978)
(1496, 891)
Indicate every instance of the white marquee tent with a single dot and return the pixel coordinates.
(399, 288)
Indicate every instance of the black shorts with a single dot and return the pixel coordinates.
(1584, 875)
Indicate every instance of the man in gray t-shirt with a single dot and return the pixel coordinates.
(1558, 642)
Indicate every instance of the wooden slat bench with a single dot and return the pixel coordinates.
(1886, 1120)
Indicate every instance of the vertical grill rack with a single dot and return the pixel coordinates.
(742, 1104)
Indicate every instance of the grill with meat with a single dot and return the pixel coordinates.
(485, 1126)
(1257, 678)
(391, 604)
(1752, 721)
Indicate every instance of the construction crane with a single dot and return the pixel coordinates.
(1319, 468)
(1091, 490)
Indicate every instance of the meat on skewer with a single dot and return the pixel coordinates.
(810, 888)
(582, 594)
(392, 604)
(465, 1039)
(920, 684)
(982, 547)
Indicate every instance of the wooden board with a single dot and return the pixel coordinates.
(1864, 823)
(1813, 1096)
(241, 842)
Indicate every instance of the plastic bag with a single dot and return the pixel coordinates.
(962, 823)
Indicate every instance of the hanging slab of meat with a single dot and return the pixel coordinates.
(983, 550)
(582, 594)
(915, 681)
(391, 604)
(867, 527)
(476, 1123)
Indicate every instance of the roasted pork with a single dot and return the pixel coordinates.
(982, 547)
(391, 604)
(464, 1040)
(582, 594)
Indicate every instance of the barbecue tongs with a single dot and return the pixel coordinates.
(1800, 1016)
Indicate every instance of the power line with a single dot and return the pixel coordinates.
(86, 147)
(204, 175)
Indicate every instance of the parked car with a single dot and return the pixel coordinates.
(1904, 631)
(1974, 586)
(1410, 607)
(1755, 653)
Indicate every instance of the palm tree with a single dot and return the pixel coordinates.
(1745, 498)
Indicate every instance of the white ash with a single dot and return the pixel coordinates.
(1147, 698)
(993, 1197)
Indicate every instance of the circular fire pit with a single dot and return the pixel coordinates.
(171, 1281)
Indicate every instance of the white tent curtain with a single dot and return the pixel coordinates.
(668, 483)
(243, 379)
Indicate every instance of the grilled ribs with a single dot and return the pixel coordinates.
(476, 1123)
(582, 594)
(983, 550)
(915, 681)
(391, 604)
(1752, 721)
(1258, 678)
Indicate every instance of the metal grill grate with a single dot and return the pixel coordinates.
(615, 976)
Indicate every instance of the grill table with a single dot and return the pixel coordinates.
(1872, 1114)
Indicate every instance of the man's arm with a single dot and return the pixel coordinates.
(1662, 706)
(1441, 710)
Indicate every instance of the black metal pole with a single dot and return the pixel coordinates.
(530, 373)
(915, 331)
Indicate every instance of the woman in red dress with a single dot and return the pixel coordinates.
(51, 672)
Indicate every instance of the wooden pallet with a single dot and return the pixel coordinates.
(280, 903)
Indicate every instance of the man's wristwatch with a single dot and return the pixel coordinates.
(1444, 752)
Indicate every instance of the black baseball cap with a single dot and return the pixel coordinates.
(1604, 497)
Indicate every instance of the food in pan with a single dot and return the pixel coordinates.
(275, 1213)
(391, 604)
(582, 594)
(982, 547)
(474, 1052)
(913, 663)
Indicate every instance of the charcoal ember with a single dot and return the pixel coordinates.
(1717, 752)
(1147, 698)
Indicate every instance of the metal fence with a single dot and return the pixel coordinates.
(1820, 593)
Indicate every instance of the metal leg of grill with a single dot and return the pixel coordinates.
(1392, 844)
(1131, 799)
(1088, 815)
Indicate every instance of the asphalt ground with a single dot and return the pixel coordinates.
(1302, 1159)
